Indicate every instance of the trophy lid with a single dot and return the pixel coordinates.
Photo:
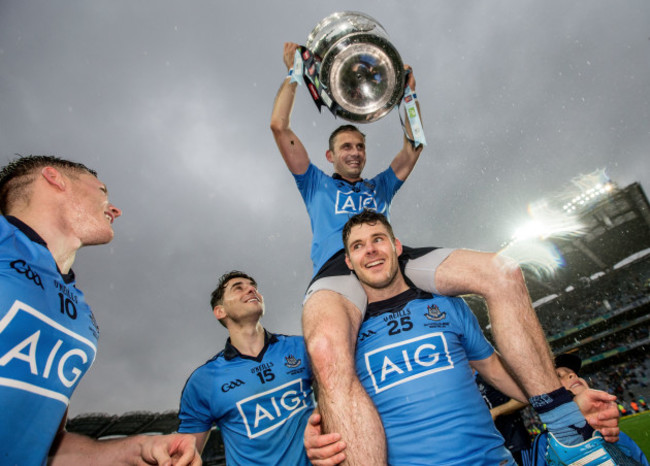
(339, 24)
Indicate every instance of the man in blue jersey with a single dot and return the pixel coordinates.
(335, 302)
(624, 450)
(257, 390)
(48, 335)
(415, 355)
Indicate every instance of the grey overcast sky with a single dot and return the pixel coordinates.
(170, 101)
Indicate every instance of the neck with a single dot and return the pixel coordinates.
(396, 286)
(249, 340)
(62, 247)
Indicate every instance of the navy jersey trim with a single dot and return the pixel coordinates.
(338, 177)
(396, 303)
(36, 238)
(230, 352)
(353, 184)
(26, 229)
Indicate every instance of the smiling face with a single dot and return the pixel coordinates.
(372, 253)
(90, 214)
(348, 155)
(571, 381)
(241, 302)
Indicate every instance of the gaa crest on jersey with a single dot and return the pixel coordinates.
(402, 362)
(41, 356)
(434, 313)
(264, 412)
(291, 362)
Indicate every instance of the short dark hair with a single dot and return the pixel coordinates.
(217, 295)
(17, 175)
(366, 217)
(343, 129)
(569, 360)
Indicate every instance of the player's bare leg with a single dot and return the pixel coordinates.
(330, 327)
(517, 331)
(518, 334)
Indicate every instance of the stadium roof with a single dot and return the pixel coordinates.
(617, 227)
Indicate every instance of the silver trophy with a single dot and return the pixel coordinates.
(360, 69)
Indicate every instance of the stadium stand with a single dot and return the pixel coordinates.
(597, 303)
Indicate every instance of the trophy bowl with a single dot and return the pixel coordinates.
(360, 69)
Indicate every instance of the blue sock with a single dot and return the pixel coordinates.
(562, 416)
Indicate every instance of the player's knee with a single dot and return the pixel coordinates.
(505, 275)
(330, 362)
(325, 350)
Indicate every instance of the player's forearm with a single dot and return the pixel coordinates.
(81, 450)
(136, 450)
(493, 371)
(508, 386)
(509, 407)
(283, 106)
(291, 148)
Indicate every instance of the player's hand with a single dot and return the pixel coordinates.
(410, 78)
(600, 411)
(168, 450)
(322, 449)
(289, 54)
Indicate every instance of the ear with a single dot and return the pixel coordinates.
(54, 177)
(398, 247)
(219, 312)
(347, 262)
(329, 156)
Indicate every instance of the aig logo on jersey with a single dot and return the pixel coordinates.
(39, 355)
(402, 362)
(266, 411)
(351, 202)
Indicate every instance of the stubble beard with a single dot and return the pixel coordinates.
(383, 284)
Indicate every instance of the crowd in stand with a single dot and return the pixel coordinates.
(627, 380)
(625, 337)
(595, 298)
(605, 296)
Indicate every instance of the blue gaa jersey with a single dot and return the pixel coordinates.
(625, 446)
(48, 340)
(331, 201)
(412, 357)
(261, 405)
